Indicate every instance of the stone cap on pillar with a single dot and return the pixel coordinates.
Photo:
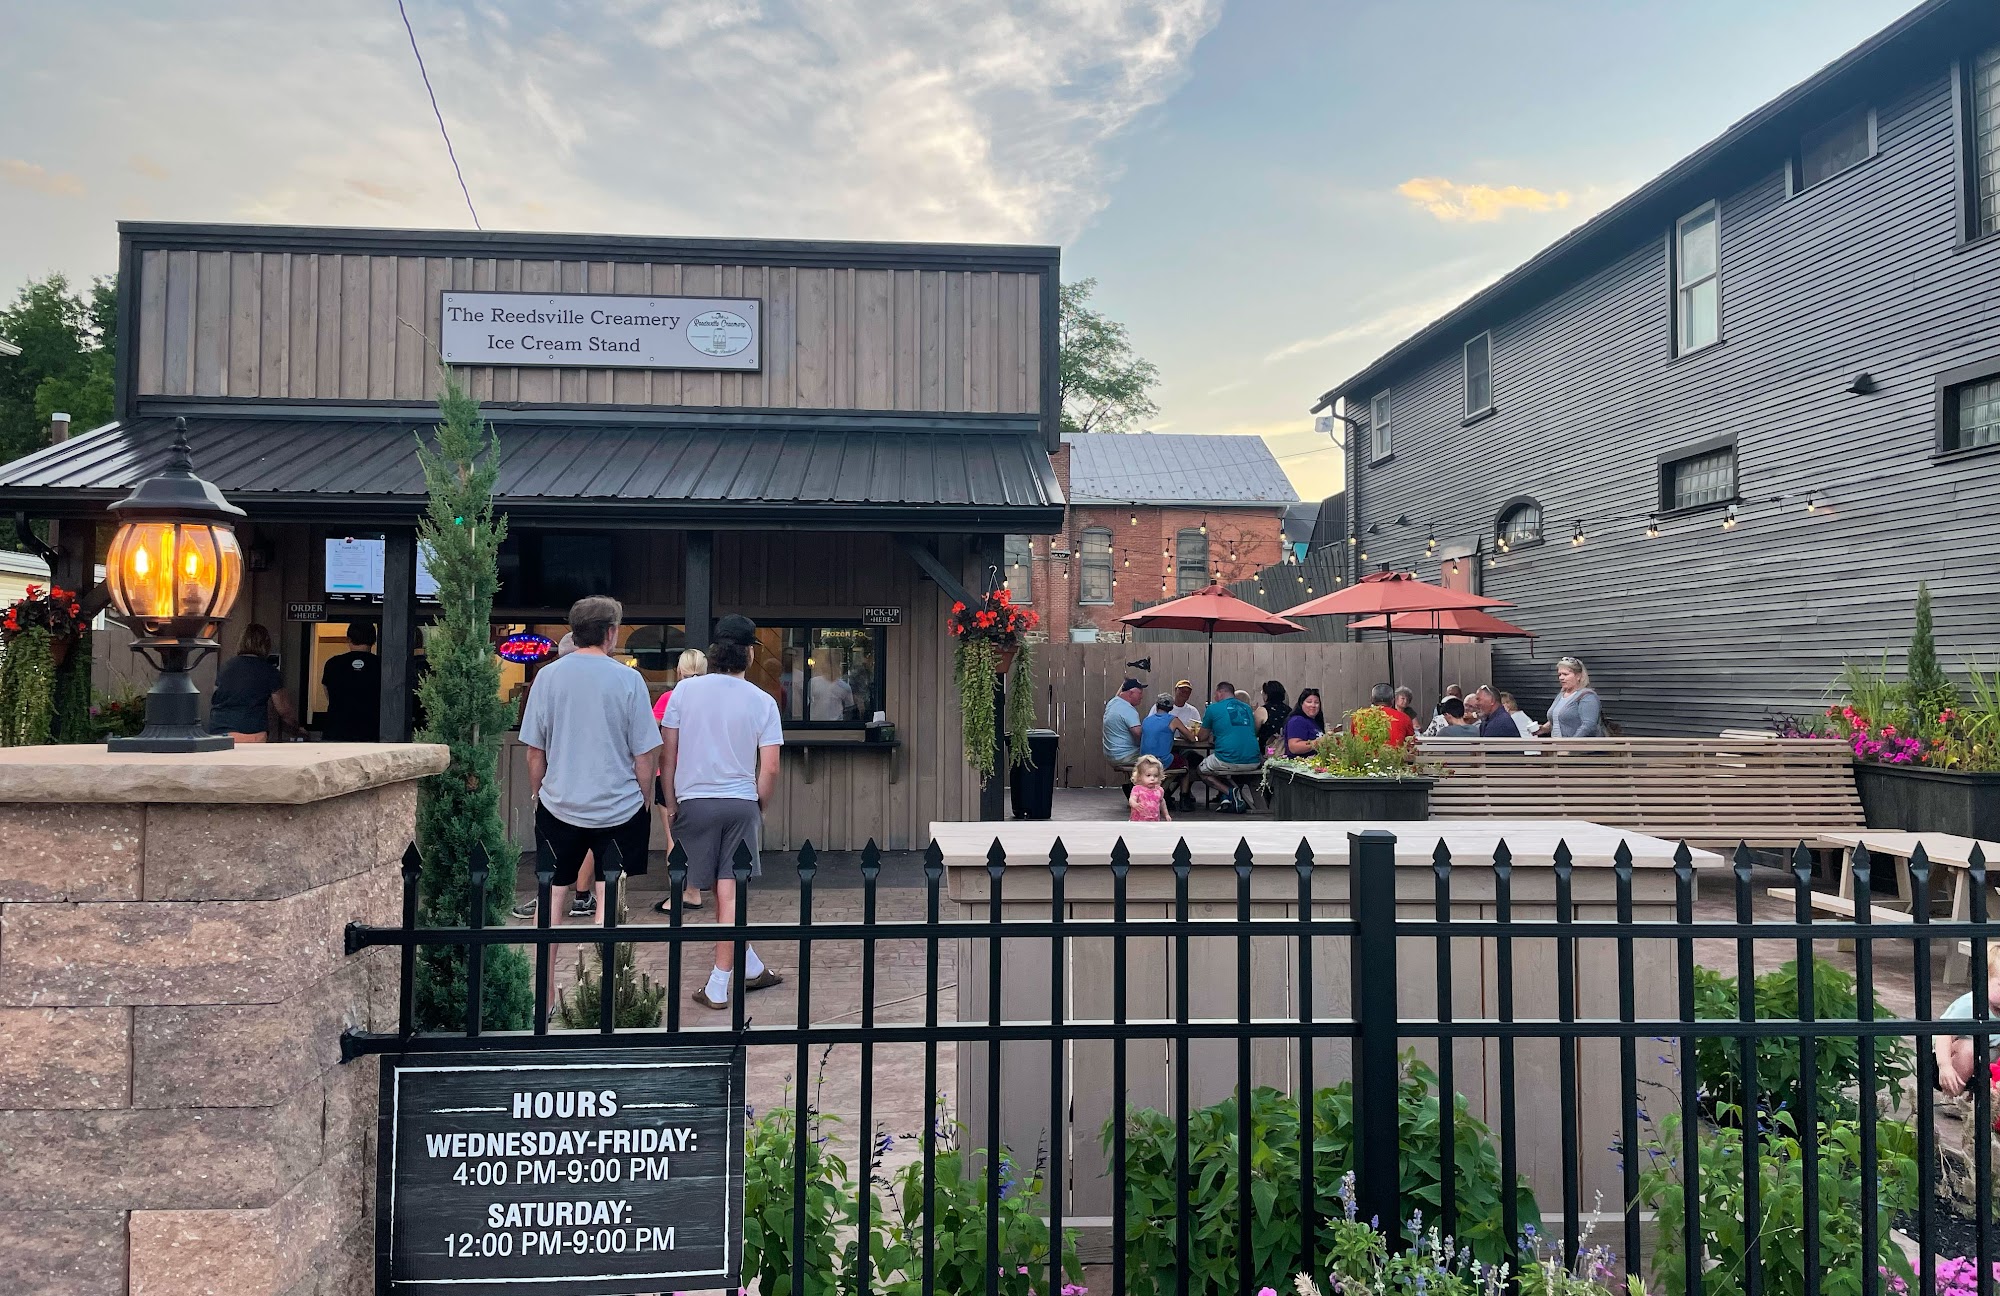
(253, 774)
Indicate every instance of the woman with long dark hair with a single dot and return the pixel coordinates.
(1271, 716)
(1303, 730)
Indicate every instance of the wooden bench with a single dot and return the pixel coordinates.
(1714, 792)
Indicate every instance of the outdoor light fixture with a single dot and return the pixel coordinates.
(1863, 384)
(1431, 544)
(173, 570)
(1729, 519)
(1812, 501)
(1577, 539)
(1652, 528)
(1454, 566)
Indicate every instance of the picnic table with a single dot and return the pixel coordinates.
(1945, 851)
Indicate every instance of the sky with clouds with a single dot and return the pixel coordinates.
(1269, 192)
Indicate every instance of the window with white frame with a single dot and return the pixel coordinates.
(1095, 583)
(1846, 141)
(1378, 426)
(1018, 560)
(1520, 525)
(1984, 137)
(1479, 375)
(1190, 561)
(1697, 280)
(1700, 479)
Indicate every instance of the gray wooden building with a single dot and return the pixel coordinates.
(837, 448)
(1711, 440)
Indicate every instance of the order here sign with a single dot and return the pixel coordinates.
(601, 331)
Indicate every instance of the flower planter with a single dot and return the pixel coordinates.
(1915, 798)
(1299, 795)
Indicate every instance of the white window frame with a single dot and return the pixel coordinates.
(1795, 181)
(1381, 416)
(1465, 374)
(1084, 558)
(1977, 149)
(1182, 584)
(1684, 287)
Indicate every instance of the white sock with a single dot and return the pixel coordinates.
(753, 965)
(718, 986)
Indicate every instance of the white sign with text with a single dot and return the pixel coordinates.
(602, 332)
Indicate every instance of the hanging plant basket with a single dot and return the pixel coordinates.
(39, 631)
(989, 651)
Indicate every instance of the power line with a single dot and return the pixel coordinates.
(436, 112)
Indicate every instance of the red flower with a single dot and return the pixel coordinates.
(958, 607)
(1944, 716)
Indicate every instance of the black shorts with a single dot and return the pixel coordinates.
(565, 844)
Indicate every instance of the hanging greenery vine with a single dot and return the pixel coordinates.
(988, 631)
(73, 720)
(1021, 706)
(27, 688)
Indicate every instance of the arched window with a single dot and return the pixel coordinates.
(1190, 561)
(1095, 585)
(1520, 524)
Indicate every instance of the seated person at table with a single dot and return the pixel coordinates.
(1156, 732)
(1456, 723)
(1495, 721)
(1956, 1053)
(1400, 728)
(1121, 725)
(1187, 716)
(1231, 724)
(1305, 725)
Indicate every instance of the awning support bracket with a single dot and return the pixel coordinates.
(934, 569)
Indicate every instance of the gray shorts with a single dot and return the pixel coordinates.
(1212, 764)
(709, 829)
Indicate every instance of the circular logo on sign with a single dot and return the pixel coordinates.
(718, 333)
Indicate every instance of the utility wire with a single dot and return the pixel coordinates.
(436, 112)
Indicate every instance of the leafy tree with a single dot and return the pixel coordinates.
(1105, 386)
(67, 343)
(460, 808)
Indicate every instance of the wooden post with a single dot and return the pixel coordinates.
(399, 597)
(698, 604)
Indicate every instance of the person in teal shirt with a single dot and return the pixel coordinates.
(1229, 722)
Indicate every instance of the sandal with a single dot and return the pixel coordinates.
(763, 980)
(701, 997)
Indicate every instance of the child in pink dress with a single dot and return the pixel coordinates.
(1148, 799)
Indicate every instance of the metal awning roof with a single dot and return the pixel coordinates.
(575, 471)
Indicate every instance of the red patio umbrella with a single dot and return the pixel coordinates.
(1212, 610)
(1469, 623)
(1380, 592)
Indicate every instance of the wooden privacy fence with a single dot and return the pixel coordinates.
(1074, 681)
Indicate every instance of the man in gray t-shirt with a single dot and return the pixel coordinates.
(719, 768)
(592, 752)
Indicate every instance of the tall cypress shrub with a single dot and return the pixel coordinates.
(460, 808)
(1930, 689)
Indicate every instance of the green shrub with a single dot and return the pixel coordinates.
(1152, 1256)
(1780, 1232)
(1776, 998)
(636, 1000)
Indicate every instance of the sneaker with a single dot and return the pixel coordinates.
(583, 906)
(526, 909)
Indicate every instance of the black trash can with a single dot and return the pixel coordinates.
(1034, 786)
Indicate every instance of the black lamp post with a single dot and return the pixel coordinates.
(173, 572)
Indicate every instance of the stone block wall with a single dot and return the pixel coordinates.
(174, 1115)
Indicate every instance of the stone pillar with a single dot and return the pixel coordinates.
(174, 1115)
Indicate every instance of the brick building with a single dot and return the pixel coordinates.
(1150, 517)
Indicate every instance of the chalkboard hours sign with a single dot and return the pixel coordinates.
(559, 1174)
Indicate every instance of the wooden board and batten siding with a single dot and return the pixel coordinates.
(1073, 682)
(853, 796)
(259, 324)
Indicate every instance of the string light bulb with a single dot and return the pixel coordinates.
(1491, 562)
(1204, 526)
(1577, 538)
(1812, 501)
(1652, 527)
(1431, 544)
(1729, 519)
(1135, 517)
(1454, 566)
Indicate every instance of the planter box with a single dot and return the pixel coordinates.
(1296, 795)
(1912, 798)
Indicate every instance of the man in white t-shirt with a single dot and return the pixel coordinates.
(718, 770)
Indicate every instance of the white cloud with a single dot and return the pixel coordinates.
(1387, 326)
(926, 119)
(40, 179)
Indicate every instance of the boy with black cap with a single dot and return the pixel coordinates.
(718, 770)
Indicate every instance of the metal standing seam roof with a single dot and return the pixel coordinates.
(654, 467)
(1161, 468)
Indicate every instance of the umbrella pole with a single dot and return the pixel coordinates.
(1389, 644)
(1211, 661)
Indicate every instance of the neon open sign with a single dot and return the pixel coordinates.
(526, 649)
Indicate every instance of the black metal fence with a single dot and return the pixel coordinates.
(1749, 1130)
